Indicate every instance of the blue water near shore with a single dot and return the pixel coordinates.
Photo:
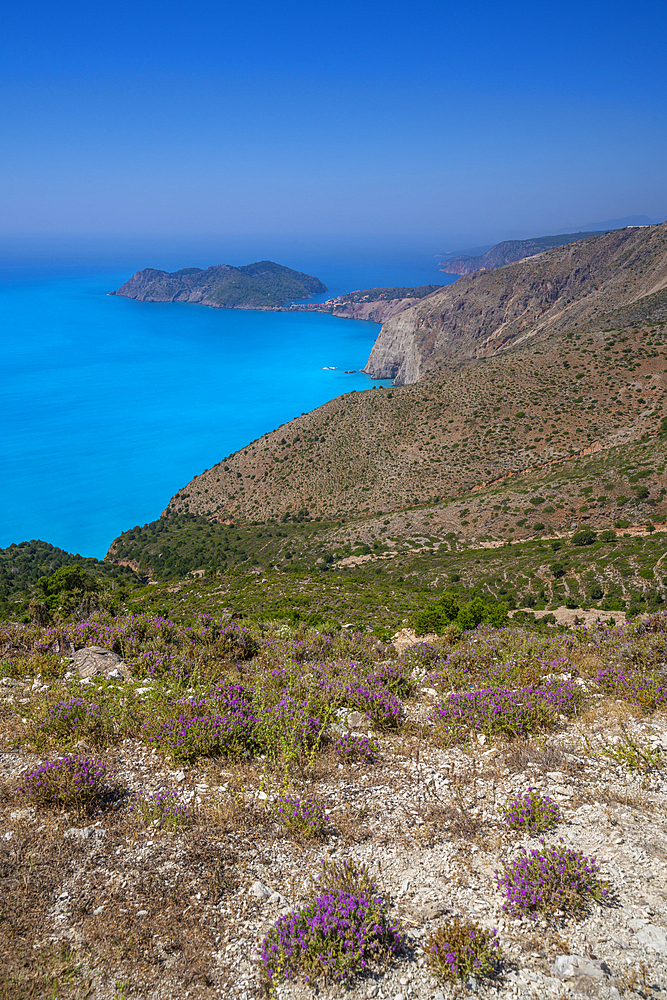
(108, 406)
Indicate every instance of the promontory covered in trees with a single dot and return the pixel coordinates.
(263, 285)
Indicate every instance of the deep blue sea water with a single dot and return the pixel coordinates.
(108, 406)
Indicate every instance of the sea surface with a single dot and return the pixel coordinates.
(108, 406)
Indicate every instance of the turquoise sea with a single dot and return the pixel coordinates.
(108, 406)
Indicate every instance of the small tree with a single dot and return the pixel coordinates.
(585, 536)
(67, 579)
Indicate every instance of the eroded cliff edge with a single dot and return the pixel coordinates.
(581, 285)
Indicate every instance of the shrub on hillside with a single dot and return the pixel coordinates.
(510, 712)
(72, 718)
(531, 813)
(436, 616)
(550, 880)
(304, 815)
(344, 930)
(461, 948)
(352, 747)
(644, 689)
(164, 809)
(585, 536)
(71, 782)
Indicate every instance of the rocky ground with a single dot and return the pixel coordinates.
(110, 908)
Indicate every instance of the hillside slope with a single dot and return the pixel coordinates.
(263, 285)
(569, 288)
(462, 543)
(386, 450)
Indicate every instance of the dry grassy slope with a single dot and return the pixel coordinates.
(568, 288)
(588, 490)
(386, 450)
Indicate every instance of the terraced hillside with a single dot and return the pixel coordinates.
(518, 541)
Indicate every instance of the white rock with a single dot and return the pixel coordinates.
(568, 966)
(22, 813)
(94, 660)
(277, 900)
(84, 833)
(260, 891)
(653, 937)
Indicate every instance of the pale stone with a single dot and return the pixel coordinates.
(653, 937)
(92, 661)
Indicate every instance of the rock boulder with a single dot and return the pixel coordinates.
(93, 661)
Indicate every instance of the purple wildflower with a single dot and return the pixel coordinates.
(550, 880)
(71, 781)
(532, 812)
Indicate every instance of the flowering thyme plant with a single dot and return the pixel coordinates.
(340, 932)
(66, 782)
(164, 809)
(462, 948)
(301, 815)
(72, 717)
(643, 689)
(550, 880)
(380, 703)
(222, 722)
(347, 876)
(352, 747)
(532, 812)
(510, 712)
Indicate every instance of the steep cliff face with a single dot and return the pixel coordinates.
(568, 288)
(397, 352)
(263, 285)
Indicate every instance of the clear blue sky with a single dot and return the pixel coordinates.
(445, 121)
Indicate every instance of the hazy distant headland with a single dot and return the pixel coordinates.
(488, 258)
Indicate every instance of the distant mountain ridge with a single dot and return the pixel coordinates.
(262, 285)
(507, 252)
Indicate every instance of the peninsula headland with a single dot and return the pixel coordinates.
(262, 285)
